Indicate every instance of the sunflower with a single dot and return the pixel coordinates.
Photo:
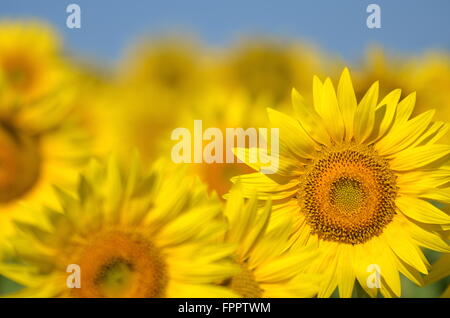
(356, 179)
(266, 67)
(222, 110)
(267, 268)
(132, 234)
(173, 66)
(31, 65)
(39, 146)
(133, 118)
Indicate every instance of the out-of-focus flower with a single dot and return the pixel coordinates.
(267, 68)
(156, 86)
(354, 178)
(173, 65)
(222, 110)
(94, 108)
(132, 234)
(39, 145)
(268, 267)
(31, 64)
(140, 119)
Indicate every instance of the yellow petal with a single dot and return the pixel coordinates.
(404, 248)
(331, 113)
(365, 114)
(413, 158)
(404, 135)
(267, 186)
(421, 210)
(292, 134)
(347, 102)
(405, 109)
(345, 272)
(390, 101)
(310, 119)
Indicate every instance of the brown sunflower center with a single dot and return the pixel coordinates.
(348, 194)
(20, 163)
(245, 285)
(121, 265)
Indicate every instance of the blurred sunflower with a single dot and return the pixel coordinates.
(31, 65)
(39, 146)
(138, 119)
(223, 110)
(267, 268)
(355, 179)
(173, 66)
(267, 68)
(156, 86)
(132, 234)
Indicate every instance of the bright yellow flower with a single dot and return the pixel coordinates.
(39, 146)
(132, 234)
(31, 66)
(356, 179)
(268, 269)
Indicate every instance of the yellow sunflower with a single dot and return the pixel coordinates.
(131, 234)
(356, 179)
(31, 65)
(267, 268)
(173, 66)
(222, 110)
(39, 146)
(268, 68)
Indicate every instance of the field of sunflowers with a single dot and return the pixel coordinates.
(92, 204)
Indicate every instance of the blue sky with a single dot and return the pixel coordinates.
(108, 26)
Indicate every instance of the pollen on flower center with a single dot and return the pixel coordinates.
(19, 163)
(348, 194)
(245, 285)
(119, 264)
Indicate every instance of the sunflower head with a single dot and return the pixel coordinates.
(132, 234)
(172, 66)
(362, 182)
(348, 194)
(39, 146)
(269, 68)
(31, 65)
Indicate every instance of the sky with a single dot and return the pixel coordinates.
(339, 27)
